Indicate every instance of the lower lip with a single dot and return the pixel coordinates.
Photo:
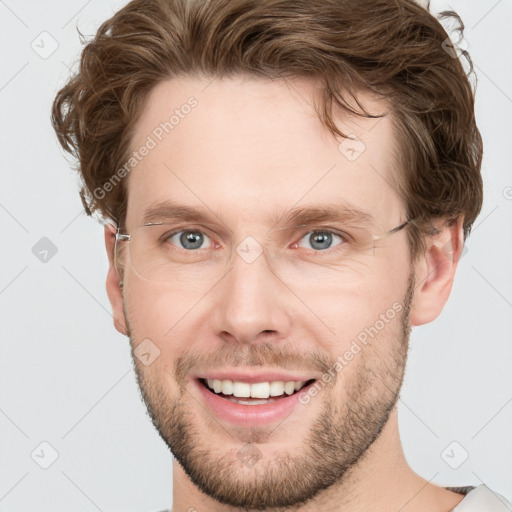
(249, 415)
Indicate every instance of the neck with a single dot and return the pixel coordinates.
(381, 480)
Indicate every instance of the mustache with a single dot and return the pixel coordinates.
(267, 355)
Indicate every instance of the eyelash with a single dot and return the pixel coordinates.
(344, 237)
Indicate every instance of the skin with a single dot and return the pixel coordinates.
(250, 149)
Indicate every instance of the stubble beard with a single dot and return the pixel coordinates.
(337, 439)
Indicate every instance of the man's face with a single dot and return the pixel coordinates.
(281, 305)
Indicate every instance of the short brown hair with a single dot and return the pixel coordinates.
(394, 48)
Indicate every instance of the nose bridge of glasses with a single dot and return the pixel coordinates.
(254, 250)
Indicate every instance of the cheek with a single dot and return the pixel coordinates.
(372, 308)
(158, 306)
(162, 315)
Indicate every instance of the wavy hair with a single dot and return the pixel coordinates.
(395, 49)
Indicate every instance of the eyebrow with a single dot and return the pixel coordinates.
(167, 210)
(343, 212)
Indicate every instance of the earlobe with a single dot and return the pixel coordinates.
(435, 272)
(114, 291)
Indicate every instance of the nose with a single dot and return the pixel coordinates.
(251, 303)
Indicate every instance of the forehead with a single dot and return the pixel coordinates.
(249, 147)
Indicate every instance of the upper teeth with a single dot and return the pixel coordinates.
(256, 389)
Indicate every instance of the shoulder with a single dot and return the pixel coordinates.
(481, 499)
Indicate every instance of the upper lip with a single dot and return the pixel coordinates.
(250, 377)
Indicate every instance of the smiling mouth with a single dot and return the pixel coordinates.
(258, 393)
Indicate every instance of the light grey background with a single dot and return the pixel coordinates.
(66, 374)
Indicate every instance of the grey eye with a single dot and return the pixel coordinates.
(320, 240)
(189, 240)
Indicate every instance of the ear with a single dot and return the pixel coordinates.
(114, 292)
(435, 271)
